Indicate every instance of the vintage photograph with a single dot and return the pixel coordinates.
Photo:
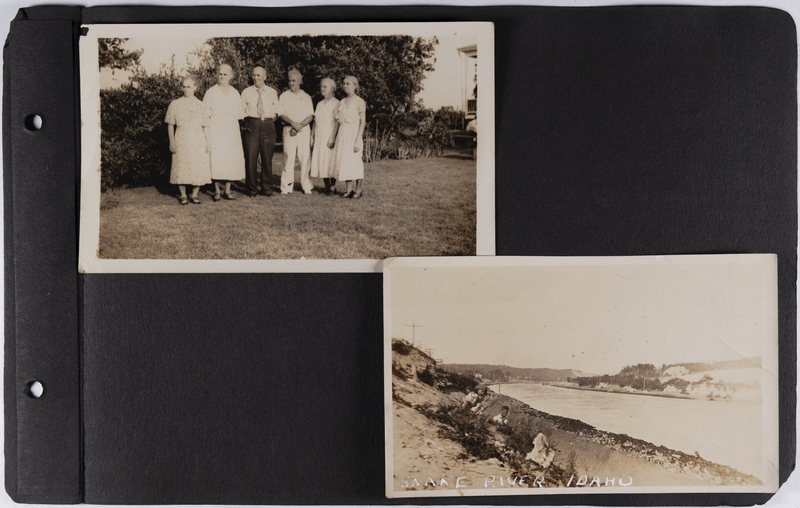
(521, 376)
(300, 144)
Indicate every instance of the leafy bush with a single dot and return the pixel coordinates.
(680, 384)
(134, 142)
(450, 118)
(421, 133)
(379, 144)
(461, 425)
(455, 382)
(401, 348)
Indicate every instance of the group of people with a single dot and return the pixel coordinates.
(479, 399)
(221, 138)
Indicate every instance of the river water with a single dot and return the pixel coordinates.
(725, 432)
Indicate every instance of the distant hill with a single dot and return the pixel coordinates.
(497, 372)
(744, 363)
(504, 372)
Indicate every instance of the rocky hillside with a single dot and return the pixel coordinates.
(434, 438)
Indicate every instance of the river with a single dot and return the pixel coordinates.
(725, 432)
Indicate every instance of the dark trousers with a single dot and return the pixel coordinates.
(259, 138)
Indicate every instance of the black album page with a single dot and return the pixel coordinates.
(607, 131)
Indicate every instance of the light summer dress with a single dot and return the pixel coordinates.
(190, 162)
(348, 164)
(324, 121)
(227, 154)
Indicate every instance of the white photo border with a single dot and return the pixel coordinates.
(88, 259)
(768, 265)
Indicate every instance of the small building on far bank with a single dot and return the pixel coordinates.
(469, 81)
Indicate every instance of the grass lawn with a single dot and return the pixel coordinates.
(419, 207)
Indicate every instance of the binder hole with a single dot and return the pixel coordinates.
(34, 389)
(33, 122)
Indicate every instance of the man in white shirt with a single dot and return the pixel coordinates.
(298, 113)
(261, 109)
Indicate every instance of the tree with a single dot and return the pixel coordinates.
(134, 142)
(114, 56)
(390, 69)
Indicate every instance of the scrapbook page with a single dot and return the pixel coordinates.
(153, 354)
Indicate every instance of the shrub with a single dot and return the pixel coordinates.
(426, 376)
(455, 382)
(461, 425)
(572, 463)
(519, 437)
(134, 145)
(419, 133)
(449, 118)
(379, 144)
(401, 348)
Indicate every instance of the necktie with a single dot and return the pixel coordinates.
(260, 106)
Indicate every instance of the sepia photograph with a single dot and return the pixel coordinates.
(526, 376)
(285, 147)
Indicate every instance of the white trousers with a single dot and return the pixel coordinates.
(296, 146)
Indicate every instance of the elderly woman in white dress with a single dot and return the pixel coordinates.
(323, 136)
(187, 120)
(227, 154)
(350, 142)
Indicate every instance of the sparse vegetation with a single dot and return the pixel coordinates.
(580, 449)
(461, 425)
(680, 384)
(401, 347)
(451, 382)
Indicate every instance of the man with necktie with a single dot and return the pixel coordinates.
(261, 109)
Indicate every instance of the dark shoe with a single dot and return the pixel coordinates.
(228, 196)
(195, 201)
(217, 197)
(348, 194)
(267, 193)
(357, 195)
(183, 200)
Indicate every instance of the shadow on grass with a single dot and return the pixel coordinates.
(171, 190)
(418, 207)
(463, 157)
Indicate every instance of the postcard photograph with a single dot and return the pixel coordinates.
(285, 147)
(528, 376)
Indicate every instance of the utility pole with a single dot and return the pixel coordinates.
(414, 327)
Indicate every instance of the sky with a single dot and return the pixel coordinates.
(591, 318)
(442, 87)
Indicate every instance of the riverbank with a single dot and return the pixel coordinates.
(614, 389)
(427, 446)
(741, 386)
